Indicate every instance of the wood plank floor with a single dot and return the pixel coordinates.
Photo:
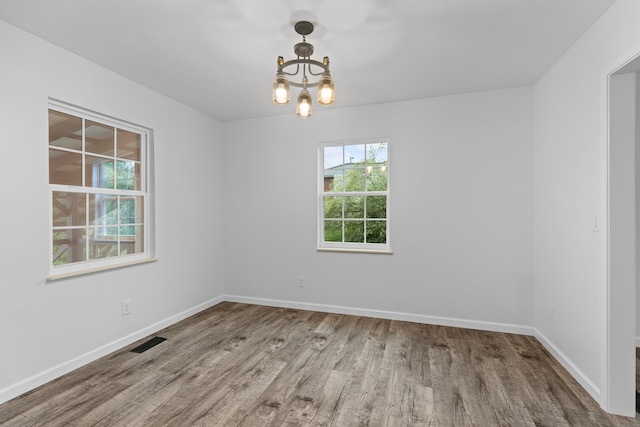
(247, 365)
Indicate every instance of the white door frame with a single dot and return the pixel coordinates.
(619, 296)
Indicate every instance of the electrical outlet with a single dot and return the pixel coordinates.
(301, 281)
(126, 307)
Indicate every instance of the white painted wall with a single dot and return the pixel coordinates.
(461, 206)
(570, 158)
(49, 328)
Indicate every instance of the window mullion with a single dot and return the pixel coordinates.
(143, 163)
(95, 190)
(84, 184)
(84, 154)
(118, 223)
(364, 219)
(343, 222)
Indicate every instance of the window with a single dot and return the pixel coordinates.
(98, 190)
(354, 195)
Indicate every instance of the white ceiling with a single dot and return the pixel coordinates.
(219, 56)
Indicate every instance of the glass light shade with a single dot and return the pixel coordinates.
(280, 90)
(326, 90)
(303, 108)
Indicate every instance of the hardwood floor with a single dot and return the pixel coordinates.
(239, 364)
(637, 377)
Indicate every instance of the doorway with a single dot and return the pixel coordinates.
(622, 237)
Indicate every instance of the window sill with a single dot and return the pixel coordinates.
(357, 251)
(98, 269)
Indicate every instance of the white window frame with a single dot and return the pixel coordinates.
(382, 248)
(91, 266)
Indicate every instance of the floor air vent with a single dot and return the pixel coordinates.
(149, 344)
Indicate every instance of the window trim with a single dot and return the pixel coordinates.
(366, 248)
(145, 191)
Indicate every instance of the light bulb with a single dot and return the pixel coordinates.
(325, 94)
(326, 90)
(303, 108)
(281, 94)
(280, 89)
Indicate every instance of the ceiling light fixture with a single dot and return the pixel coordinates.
(303, 51)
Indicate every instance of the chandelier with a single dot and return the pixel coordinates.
(307, 67)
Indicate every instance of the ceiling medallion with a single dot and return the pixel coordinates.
(305, 66)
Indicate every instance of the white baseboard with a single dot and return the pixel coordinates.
(37, 380)
(382, 314)
(575, 372)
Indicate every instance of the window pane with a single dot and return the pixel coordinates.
(354, 231)
(332, 207)
(334, 180)
(103, 242)
(128, 175)
(332, 156)
(129, 145)
(354, 207)
(333, 168)
(69, 246)
(65, 130)
(98, 138)
(377, 207)
(377, 154)
(376, 231)
(354, 179)
(131, 210)
(333, 231)
(103, 210)
(98, 172)
(377, 178)
(377, 167)
(354, 154)
(131, 239)
(65, 168)
(69, 209)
